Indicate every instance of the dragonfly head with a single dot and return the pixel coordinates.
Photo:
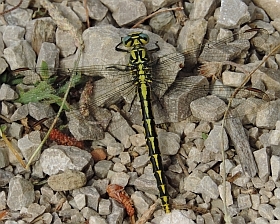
(134, 39)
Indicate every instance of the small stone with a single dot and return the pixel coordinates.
(120, 178)
(4, 157)
(169, 143)
(5, 177)
(32, 212)
(83, 129)
(37, 171)
(19, 17)
(228, 164)
(253, 214)
(277, 193)
(261, 220)
(77, 218)
(28, 145)
(141, 202)
(264, 199)
(47, 218)
(80, 200)
(191, 35)
(91, 194)
(60, 158)
(20, 55)
(243, 179)
(274, 137)
(238, 220)
(118, 167)
(231, 20)
(125, 158)
(203, 126)
(234, 79)
(88, 212)
(265, 210)
(49, 53)
(244, 201)
(114, 149)
(213, 142)
(68, 180)
(208, 187)
(117, 213)
(229, 199)
(97, 10)
(20, 113)
(141, 161)
(13, 34)
(161, 20)
(7, 93)
(209, 108)
(194, 158)
(101, 185)
(21, 193)
(120, 129)
(270, 185)
(192, 182)
(97, 220)
(102, 168)
(108, 139)
(257, 182)
(265, 192)
(98, 154)
(138, 140)
(255, 198)
(146, 183)
(262, 160)
(56, 219)
(15, 130)
(68, 13)
(276, 212)
(66, 47)
(3, 200)
(68, 212)
(105, 207)
(79, 9)
(180, 216)
(3, 63)
(202, 9)
(268, 115)
(119, 10)
(7, 108)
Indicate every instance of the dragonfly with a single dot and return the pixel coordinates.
(164, 68)
(151, 76)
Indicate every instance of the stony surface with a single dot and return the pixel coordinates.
(67, 180)
(21, 193)
(64, 185)
(62, 158)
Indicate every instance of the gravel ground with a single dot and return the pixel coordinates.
(218, 171)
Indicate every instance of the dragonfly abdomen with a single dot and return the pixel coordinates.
(144, 93)
(140, 71)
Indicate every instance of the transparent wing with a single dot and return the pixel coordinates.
(118, 81)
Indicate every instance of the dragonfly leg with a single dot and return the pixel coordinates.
(118, 68)
(157, 48)
(117, 48)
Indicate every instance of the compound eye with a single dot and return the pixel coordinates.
(143, 38)
(127, 41)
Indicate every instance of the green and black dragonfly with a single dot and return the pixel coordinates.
(149, 78)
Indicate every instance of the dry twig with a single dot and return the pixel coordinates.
(12, 9)
(157, 12)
